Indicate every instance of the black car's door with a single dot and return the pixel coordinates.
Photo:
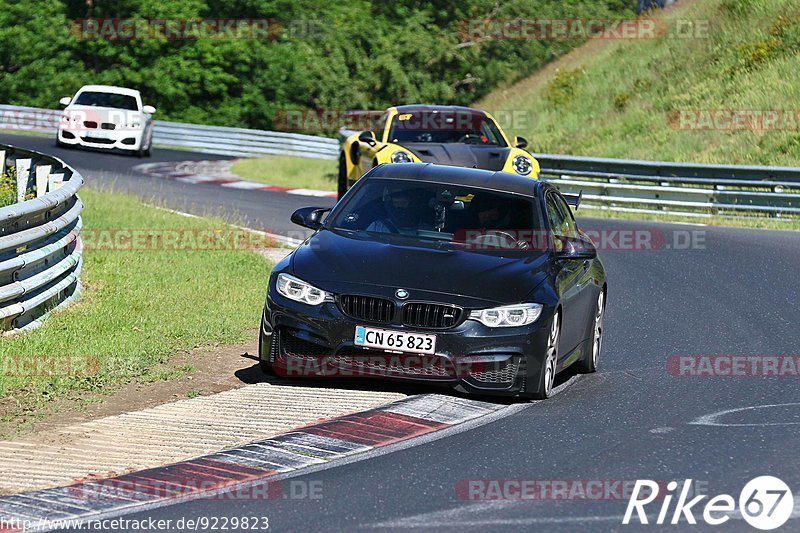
(573, 279)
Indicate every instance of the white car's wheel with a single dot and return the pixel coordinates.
(146, 144)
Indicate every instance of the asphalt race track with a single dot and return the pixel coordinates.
(263, 210)
(733, 293)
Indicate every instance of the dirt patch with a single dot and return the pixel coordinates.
(214, 371)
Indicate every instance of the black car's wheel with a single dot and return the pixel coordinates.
(342, 176)
(588, 363)
(547, 375)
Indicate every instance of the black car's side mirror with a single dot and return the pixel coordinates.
(520, 142)
(569, 248)
(367, 137)
(309, 217)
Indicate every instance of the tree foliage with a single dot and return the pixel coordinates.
(358, 55)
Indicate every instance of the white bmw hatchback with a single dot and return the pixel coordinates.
(106, 117)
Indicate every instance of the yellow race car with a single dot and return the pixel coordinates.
(447, 135)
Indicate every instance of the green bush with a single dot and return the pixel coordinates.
(562, 88)
(8, 188)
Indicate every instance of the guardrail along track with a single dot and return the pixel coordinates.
(684, 189)
(40, 252)
(198, 138)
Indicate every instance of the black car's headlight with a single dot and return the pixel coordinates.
(300, 291)
(401, 157)
(508, 316)
(522, 164)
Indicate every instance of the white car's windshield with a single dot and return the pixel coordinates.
(99, 99)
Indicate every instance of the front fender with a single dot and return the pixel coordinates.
(345, 152)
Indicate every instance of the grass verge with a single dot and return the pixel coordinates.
(651, 98)
(140, 304)
(289, 171)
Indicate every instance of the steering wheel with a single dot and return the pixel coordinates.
(490, 239)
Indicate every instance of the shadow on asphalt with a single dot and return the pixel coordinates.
(254, 374)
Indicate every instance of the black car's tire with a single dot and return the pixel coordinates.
(263, 358)
(547, 374)
(590, 360)
(342, 182)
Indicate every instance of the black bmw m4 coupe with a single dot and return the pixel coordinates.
(477, 280)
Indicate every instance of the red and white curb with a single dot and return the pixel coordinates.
(217, 173)
(252, 465)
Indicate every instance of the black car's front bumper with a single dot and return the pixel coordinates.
(299, 340)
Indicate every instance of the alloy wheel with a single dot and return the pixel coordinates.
(598, 329)
(551, 361)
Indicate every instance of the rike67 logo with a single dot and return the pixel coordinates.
(765, 503)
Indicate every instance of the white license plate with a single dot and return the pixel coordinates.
(400, 341)
(100, 135)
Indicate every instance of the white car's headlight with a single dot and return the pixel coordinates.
(522, 165)
(300, 291)
(401, 157)
(508, 316)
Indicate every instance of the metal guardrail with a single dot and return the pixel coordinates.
(683, 189)
(40, 251)
(243, 142)
(206, 139)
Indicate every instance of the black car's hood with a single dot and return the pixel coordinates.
(461, 155)
(342, 262)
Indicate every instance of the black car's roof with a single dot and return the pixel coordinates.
(473, 177)
(416, 108)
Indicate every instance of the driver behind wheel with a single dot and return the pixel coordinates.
(490, 213)
(403, 215)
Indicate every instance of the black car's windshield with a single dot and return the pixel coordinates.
(445, 127)
(475, 218)
(116, 101)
